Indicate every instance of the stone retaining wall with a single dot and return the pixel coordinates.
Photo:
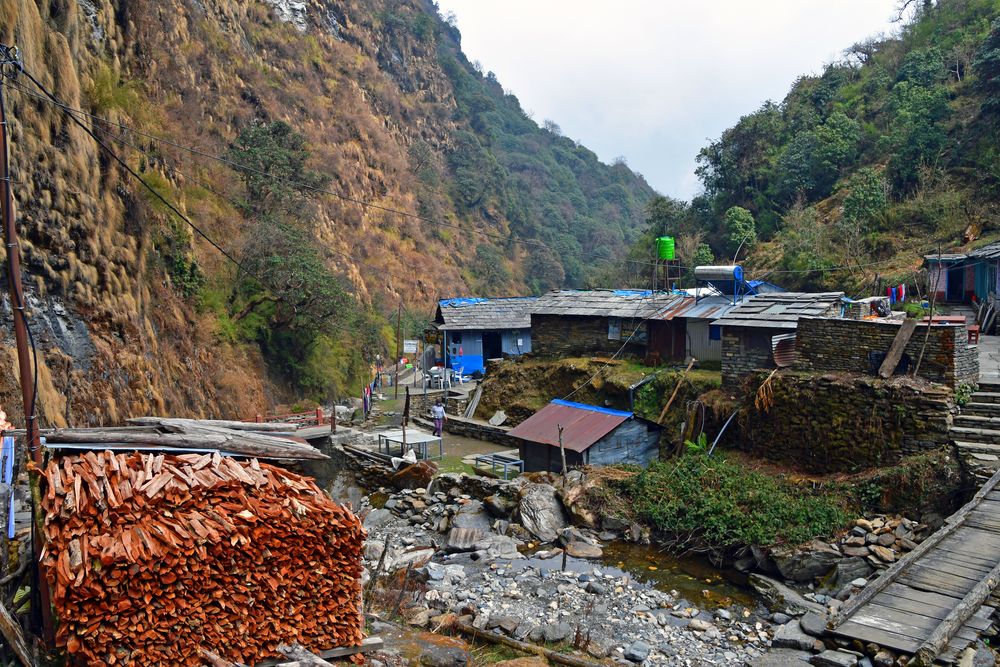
(475, 429)
(560, 336)
(844, 422)
(746, 350)
(826, 344)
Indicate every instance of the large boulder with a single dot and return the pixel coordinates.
(782, 598)
(541, 512)
(806, 562)
(472, 515)
(416, 476)
(575, 500)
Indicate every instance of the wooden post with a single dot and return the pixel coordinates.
(562, 453)
(680, 380)
(11, 631)
(43, 611)
(930, 321)
(319, 416)
(333, 418)
(399, 348)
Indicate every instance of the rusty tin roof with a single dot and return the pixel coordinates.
(583, 424)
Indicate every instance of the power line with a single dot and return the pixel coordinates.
(360, 202)
(161, 198)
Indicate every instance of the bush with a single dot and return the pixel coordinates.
(720, 504)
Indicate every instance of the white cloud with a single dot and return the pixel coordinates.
(655, 80)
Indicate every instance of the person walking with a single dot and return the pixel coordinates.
(437, 412)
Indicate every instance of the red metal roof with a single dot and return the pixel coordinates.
(583, 425)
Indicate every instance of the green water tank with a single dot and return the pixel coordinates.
(665, 247)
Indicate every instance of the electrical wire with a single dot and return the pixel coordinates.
(239, 265)
(305, 186)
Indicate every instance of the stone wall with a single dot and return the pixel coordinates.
(474, 429)
(745, 350)
(556, 336)
(842, 422)
(827, 344)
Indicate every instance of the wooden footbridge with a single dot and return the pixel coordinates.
(935, 601)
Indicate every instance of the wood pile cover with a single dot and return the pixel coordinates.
(152, 558)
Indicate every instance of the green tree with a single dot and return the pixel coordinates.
(271, 160)
(741, 227)
(491, 268)
(919, 134)
(543, 270)
(987, 69)
(868, 198)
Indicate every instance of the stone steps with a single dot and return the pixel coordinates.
(975, 434)
(974, 408)
(986, 397)
(985, 386)
(966, 420)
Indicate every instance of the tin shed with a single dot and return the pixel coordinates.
(591, 435)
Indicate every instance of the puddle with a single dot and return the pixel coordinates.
(695, 578)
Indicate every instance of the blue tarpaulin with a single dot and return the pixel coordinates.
(468, 301)
(592, 408)
(633, 292)
(7, 477)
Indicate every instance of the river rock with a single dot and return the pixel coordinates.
(834, 659)
(813, 624)
(444, 656)
(782, 657)
(884, 554)
(790, 635)
(845, 572)
(472, 515)
(557, 632)
(782, 597)
(637, 651)
(497, 506)
(494, 546)
(541, 511)
(377, 518)
(807, 562)
(583, 550)
(463, 539)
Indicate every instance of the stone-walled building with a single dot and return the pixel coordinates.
(859, 346)
(752, 330)
(574, 323)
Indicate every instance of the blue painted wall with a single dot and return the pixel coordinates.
(465, 348)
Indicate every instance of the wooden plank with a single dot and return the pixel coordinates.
(895, 352)
(934, 598)
(951, 525)
(965, 609)
(899, 622)
(876, 636)
(935, 584)
(966, 557)
(952, 571)
(368, 644)
(11, 631)
(909, 606)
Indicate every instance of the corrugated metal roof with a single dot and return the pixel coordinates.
(488, 314)
(583, 425)
(780, 310)
(990, 251)
(635, 304)
(947, 257)
(707, 308)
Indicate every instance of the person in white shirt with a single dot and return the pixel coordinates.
(437, 411)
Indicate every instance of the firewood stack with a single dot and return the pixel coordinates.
(152, 558)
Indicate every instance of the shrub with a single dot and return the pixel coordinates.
(718, 503)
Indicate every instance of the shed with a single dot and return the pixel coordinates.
(750, 329)
(477, 329)
(569, 323)
(958, 277)
(591, 435)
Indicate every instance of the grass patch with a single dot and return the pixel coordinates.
(454, 464)
(720, 504)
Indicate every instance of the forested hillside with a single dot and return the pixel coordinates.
(891, 153)
(328, 162)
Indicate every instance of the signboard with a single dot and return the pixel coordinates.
(409, 347)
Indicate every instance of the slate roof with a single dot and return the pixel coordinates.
(989, 251)
(583, 424)
(706, 308)
(487, 314)
(633, 304)
(780, 310)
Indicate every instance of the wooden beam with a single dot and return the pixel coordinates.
(878, 585)
(895, 352)
(368, 644)
(953, 622)
(257, 427)
(680, 380)
(11, 631)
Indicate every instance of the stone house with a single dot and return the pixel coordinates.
(591, 435)
(859, 346)
(575, 323)
(757, 333)
(476, 329)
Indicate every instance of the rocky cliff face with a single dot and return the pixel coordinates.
(120, 332)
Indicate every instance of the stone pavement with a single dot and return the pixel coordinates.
(989, 359)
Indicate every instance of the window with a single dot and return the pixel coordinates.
(714, 332)
(456, 338)
(614, 328)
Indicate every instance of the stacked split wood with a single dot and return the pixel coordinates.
(153, 558)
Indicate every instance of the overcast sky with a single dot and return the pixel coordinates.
(655, 80)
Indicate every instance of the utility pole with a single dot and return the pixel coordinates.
(21, 336)
(399, 348)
